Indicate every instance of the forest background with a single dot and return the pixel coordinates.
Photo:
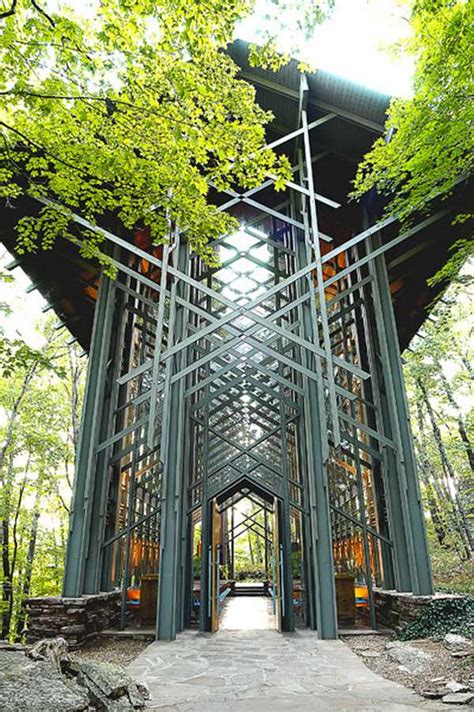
(42, 380)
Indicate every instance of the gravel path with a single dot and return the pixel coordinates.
(440, 667)
(111, 650)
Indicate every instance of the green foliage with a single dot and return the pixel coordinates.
(298, 21)
(246, 571)
(40, 400)
(439, 378)
(450, 574)
(197, 561)
(431, 144)
(128, 117)
(462, 251)
(15, 355)
(440, 617)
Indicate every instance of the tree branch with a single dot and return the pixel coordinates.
(11, 11)
(43, 12)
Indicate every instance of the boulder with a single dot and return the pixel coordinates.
(412, 660)
(137, 694)
(369, 654)
(47, 649)
(45, 679)
(109, 687)
(432, 693)
(453, 686)
(457, 643)
(458, 698)
(37, 686)
(109, 679)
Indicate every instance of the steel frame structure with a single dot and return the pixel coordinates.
(291, 387)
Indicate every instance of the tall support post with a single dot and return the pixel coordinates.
(87, 471)
(321, 566)
(287, 582)
(320, 520)
(172, 453)
(232, 546)
(370, 361)
(206, 520)
(400, 565)
(185, 574)
(421, 575)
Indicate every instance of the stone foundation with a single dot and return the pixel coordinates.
(396, 610)
(75, 619)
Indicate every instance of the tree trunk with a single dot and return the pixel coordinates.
(14, 414)
(7, 590)
(259, 548)
(464, 527)
(75, 372)
(30, 557)
(460, 420)
(468, 366)
(431, 498)
(13, 570)
(435, 493)
(6, 577)
(249, 539)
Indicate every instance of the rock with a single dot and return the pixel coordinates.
(102, 702)
(6, 646)
(461, 653)
(109, 679)
(412, 660)
(136, 697)
(47, 680)
(370, 654)
(96, 697)
(37, 686)
(123, 704)
(432, 694)
(456, 642)
(69, 630)
(48, 649)
(458, 698)
(454, 686)
(143, 689)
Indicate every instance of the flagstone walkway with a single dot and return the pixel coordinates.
(264, 671)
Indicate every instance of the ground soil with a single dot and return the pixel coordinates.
(120, 651)
(440, 669)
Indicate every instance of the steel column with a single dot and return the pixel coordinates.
(421, 579)
(80, 527)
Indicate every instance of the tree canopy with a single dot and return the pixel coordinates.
(134, 112)
(438, 373)
(429, 145)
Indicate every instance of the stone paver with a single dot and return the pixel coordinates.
(262, 670)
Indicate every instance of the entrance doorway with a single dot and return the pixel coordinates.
(244, 579)
(253, 576)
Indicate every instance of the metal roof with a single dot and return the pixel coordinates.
(366, 106)
(69, 284)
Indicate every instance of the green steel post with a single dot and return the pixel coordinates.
(422, 583)
(168, 578)
(320, 529)
(86, 470)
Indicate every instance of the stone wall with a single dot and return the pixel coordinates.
(75, 619)
(396, 610)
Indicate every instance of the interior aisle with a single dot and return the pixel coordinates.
(247, 613)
